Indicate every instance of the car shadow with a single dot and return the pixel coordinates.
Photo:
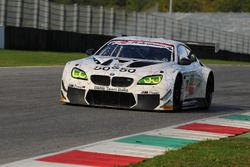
(215, 108)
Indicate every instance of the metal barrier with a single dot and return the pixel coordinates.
(46, 15)
(2, 37)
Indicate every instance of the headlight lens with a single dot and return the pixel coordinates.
(78, 74)
(150, 80)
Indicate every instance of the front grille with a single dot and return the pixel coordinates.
(100, 80)
(112, 99)
(121, 81)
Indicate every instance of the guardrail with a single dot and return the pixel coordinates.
(43, 14)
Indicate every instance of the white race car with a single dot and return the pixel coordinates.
(139, 73)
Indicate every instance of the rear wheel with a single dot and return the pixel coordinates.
(177, 94)
(209, 93)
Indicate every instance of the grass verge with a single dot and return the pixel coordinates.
(230, 152)
(40, 58)
(31, 58)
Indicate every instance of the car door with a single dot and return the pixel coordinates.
(190, 72)
(196, 76)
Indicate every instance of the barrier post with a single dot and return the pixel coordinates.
(75, 23)
(88, 20)
(47, 15)
(111, 30)
(19, 13)
(3, 13)
(35, 16)
(101, 21)
(62, 16)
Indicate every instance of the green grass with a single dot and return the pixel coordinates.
(38, 58)
(230, 152)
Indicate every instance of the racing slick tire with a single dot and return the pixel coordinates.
(209, 93)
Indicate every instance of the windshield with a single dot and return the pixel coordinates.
(135, 51)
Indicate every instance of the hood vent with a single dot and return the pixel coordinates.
(106, 63)
(142, 64)
(123, 61)
(96, 61)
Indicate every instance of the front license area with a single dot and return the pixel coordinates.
(107, 88)
(110, 98)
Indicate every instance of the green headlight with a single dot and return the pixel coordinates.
(78, 74)
(150, 80)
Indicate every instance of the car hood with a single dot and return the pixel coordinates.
(100, 65)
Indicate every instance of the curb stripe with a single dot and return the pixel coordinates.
(226, 122)
(214, 128)
(34, 163)
(157, 141)
(237, 117)
(77, 157)
(135, 150)
(188, 134)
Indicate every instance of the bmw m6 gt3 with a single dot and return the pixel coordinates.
(139, 73)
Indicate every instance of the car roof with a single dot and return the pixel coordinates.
(148, 39)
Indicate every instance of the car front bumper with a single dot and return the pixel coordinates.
(113, 99)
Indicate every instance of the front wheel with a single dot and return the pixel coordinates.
(177, 94)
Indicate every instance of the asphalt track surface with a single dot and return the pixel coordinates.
(33, 122)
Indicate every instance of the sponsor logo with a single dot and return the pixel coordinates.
(77, 87)
(150, 92)
(106, 88)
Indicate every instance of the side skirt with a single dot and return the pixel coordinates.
(193, 103)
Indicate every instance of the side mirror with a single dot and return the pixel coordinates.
(185, 61)
(90, 52)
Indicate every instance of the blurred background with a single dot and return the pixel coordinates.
(212, 28)
(163, 5)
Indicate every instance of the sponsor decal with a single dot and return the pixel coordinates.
(150, 92)
(105, 68)
(190, 84)
(77, 87)
(106, 88)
